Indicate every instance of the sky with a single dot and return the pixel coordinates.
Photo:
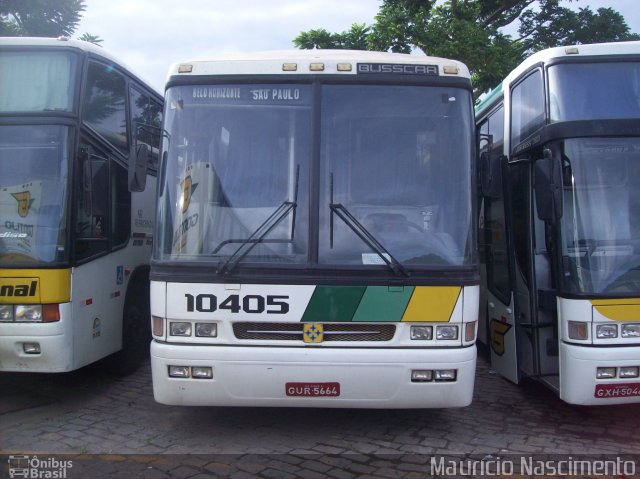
(150, 35)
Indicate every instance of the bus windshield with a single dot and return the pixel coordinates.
(594, 91)
(238, 170)
(601, 219)
(35, 81)
(33, 185)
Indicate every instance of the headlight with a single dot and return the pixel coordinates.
(631, 330)
(29, 312)
(422, 332)
(6, 312)
(629, 372)
(447, 332)
(606, 331)
(206, 330)
(606, 373)
(180, 329)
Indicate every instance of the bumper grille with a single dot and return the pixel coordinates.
(332, 331)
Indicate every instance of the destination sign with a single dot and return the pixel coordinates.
(250, 94)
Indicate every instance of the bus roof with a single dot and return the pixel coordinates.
(60, 42)
(312, 62)
(63, 42)
(576, 51)
(487, 101)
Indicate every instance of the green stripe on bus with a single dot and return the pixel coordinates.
(335, 304)
(383, 303)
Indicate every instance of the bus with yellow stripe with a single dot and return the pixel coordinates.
(559, 162)
(78, 135)
(316, 239)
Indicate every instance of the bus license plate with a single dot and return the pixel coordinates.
(610, 391)
(312, 389)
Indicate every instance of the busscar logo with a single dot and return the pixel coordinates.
(397, 68)
(24, 202)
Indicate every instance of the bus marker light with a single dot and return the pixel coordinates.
(157, 325)
(631, 330)
(316, 67)
(31, 348)
(629, 372)
(50, 313)
(606, 331)
(206, 330)
(201, 372)
(289, 67)
(446, 375)
(578, 330)
(571, 50)
(470, 331)
(178, 371)
(180, 329)
(344, 67)
(450, 69)
(421, 375)
(606, 373)
(422, 332)
(185, 68)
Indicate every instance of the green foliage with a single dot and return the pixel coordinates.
(353, 39)
(472, 31)
(88, 37)
(39, 18)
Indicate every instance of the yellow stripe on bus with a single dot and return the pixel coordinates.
(35, 286)
(432, 303)
(627, 309)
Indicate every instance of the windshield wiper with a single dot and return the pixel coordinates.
(258, 236)
(364, 234)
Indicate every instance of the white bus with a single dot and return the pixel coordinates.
(78, 134)
(316, 237)
(559, 161)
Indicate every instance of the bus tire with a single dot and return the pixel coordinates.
(136, 332)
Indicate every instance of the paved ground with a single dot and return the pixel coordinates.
(111, 427)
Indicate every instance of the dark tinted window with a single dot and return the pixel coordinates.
(146, 118)
(104, 104)
(527, 107)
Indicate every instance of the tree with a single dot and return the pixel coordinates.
(473, 31)
(39, 18)
(88, 37)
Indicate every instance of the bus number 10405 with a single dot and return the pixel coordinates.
(251, 303)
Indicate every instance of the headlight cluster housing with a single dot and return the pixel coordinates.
(29, 313)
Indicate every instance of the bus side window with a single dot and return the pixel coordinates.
(92, 213)
(104, 105)
(146, 118)
(120, 205)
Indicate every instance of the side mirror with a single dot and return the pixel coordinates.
(548, 187)
(138, 161)
(490, 170)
